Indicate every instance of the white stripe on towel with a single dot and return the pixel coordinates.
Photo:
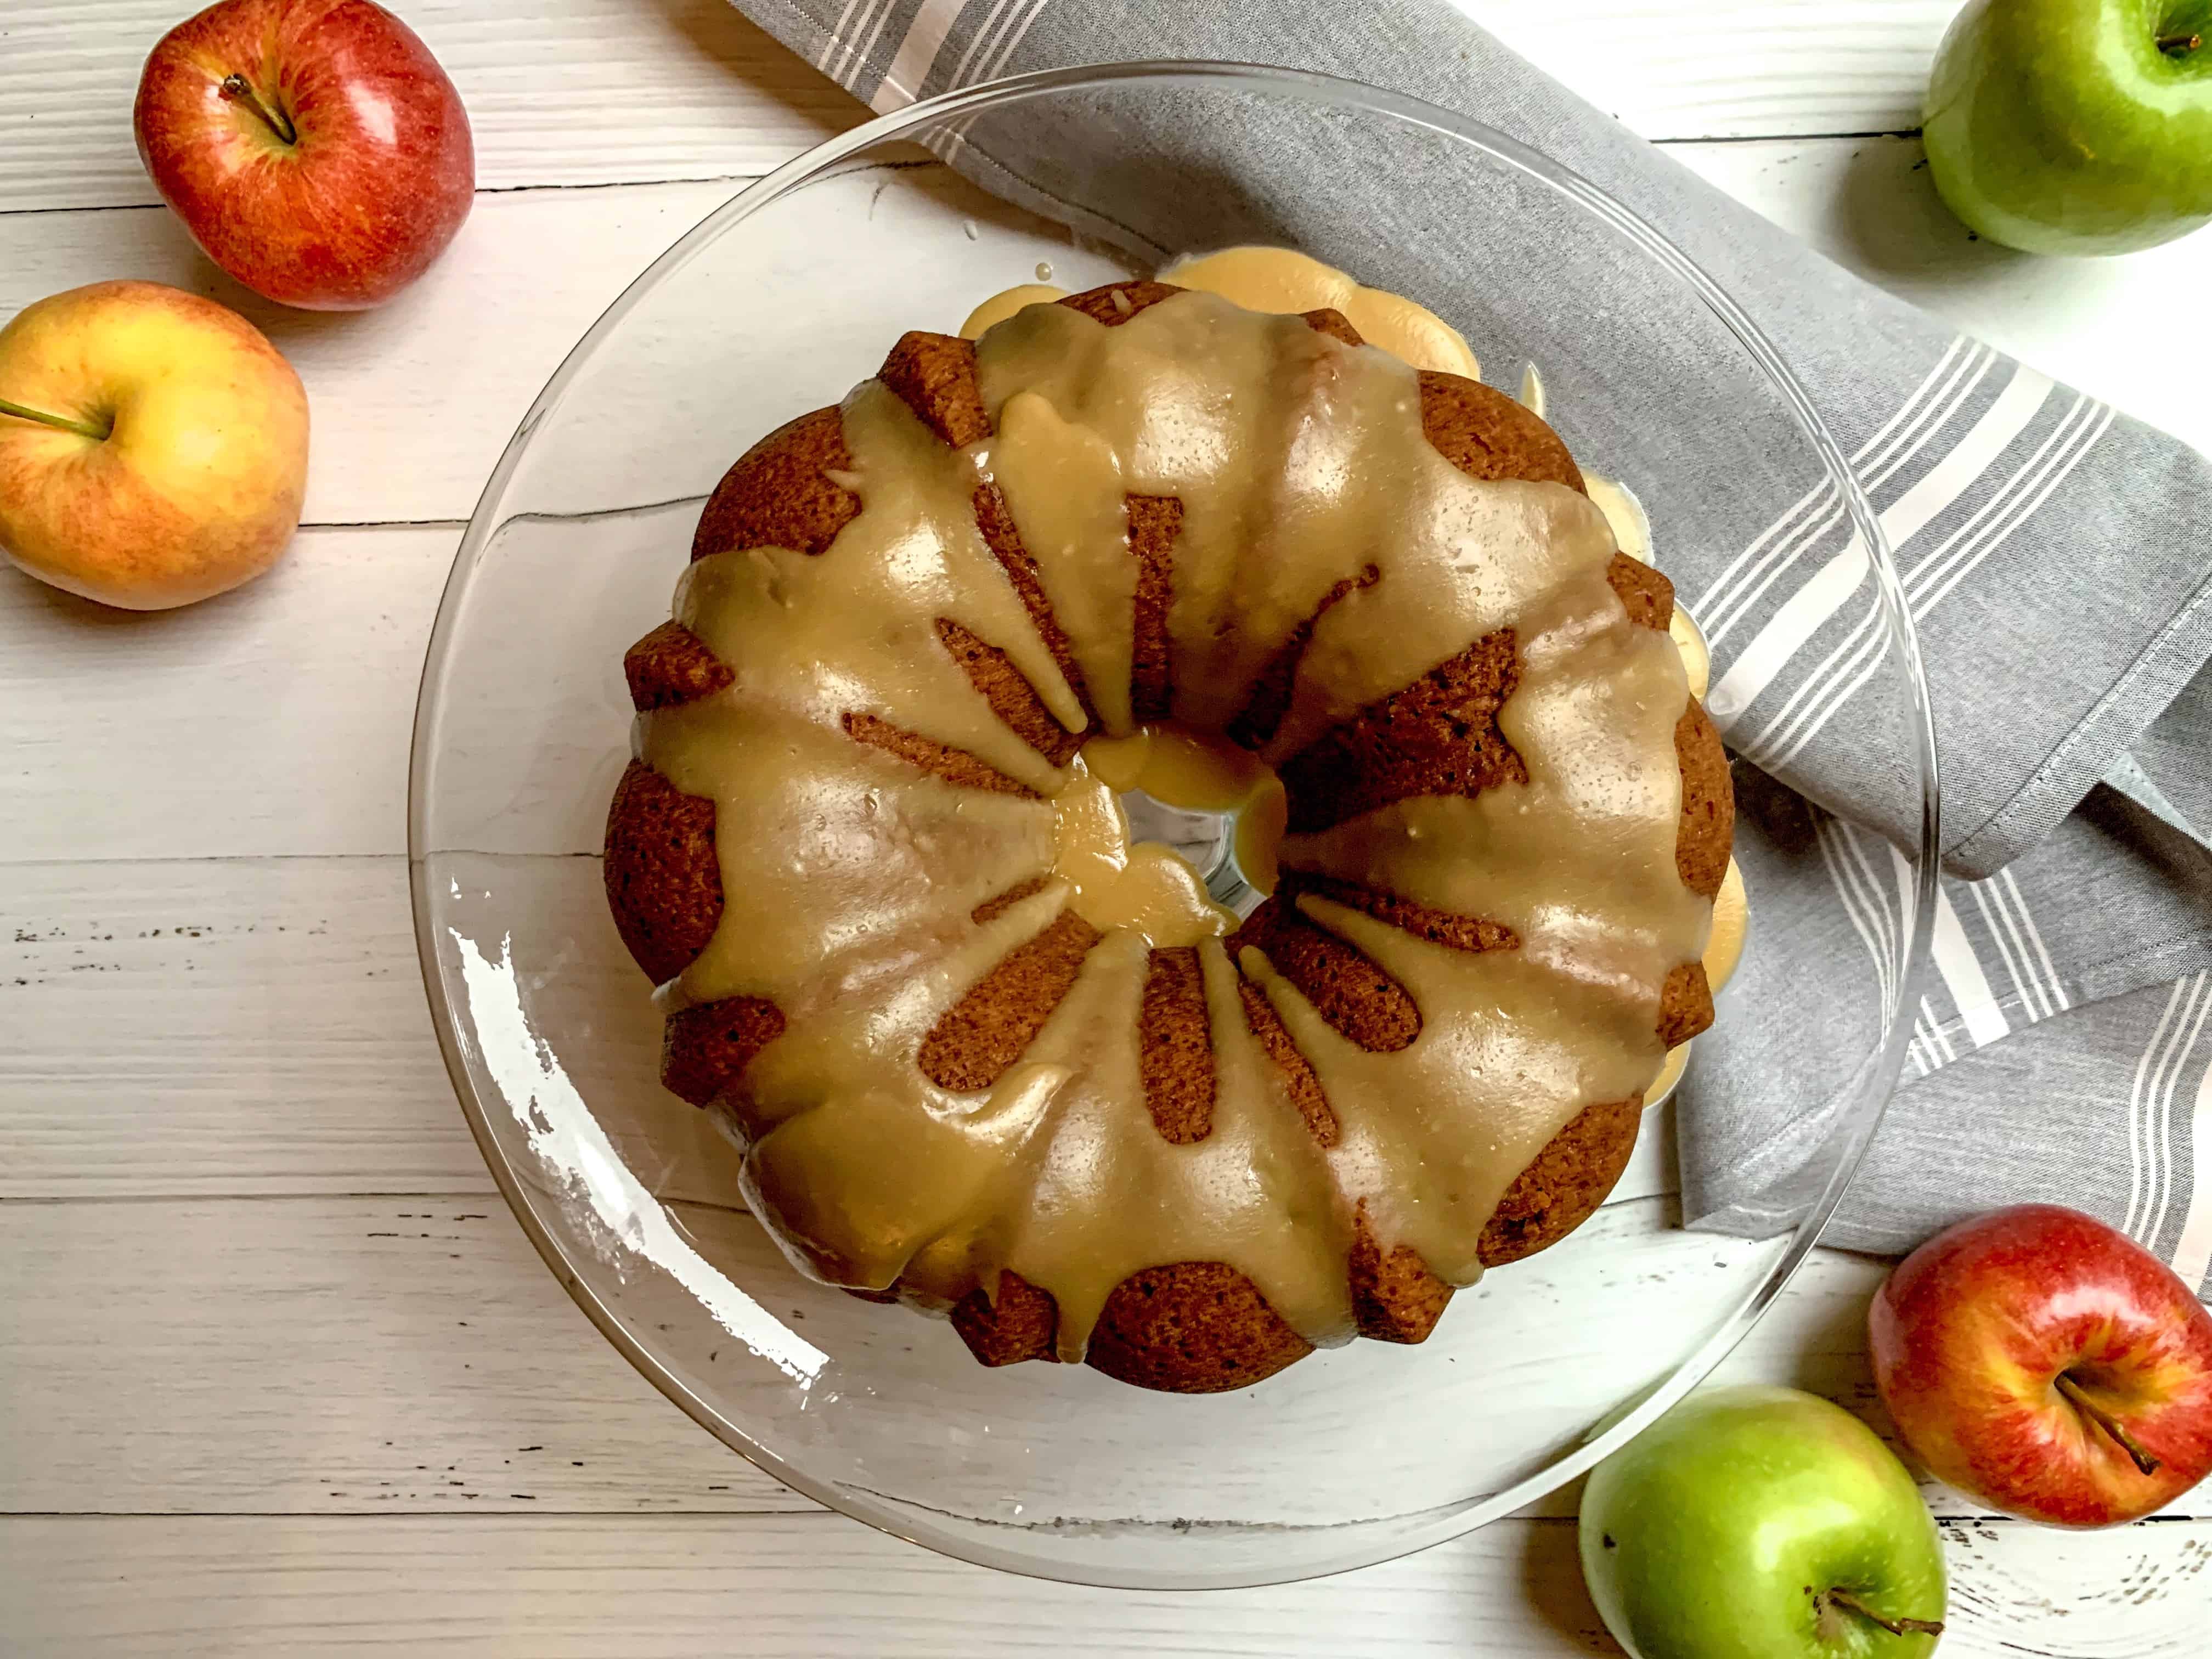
(1963, 976)
(2192, 1254)
(1805, 611)
(911, 64)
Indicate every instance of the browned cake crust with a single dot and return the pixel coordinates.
(1115, 303)
(996, 521)
(1394, 1296)
(1645, 593)
(1438, 736)
(1012, 699)
(1345, 987)
(1194, 1326)
(955, 766)
(1020, 1326)
(1333, 323)
(1175, 1054)
(1685, 1003)
(1191, 1327)
(1188, 1327)
(1708, 832)
(986, 1031)
(1565, 1186)
(1486, 435)
(1155, 521)
(935, 375)
(1270, 700)
(1299, 1079)
(671, 665)
(1437, 926)
(705, 1050)
(781, 492)
(999, 904)
(664, 883)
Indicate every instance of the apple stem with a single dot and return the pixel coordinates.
(60, 422)
(239, 90)
(2110, 1425)
(1895, 1626)
(2180, 45)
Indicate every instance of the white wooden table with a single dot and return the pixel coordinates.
(278, 1373)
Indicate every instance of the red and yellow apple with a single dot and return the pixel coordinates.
(2049, 1366)
(153, 446)
(314, 148)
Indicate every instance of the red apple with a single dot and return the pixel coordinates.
(314, 148)
(2049, 1366)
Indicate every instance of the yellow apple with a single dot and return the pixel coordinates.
(153, 446)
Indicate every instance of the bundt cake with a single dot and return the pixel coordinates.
(967, 1077)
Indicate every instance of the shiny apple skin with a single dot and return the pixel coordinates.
(381, 177)
(2058, 126)
(1720, 1530)
(195, 488)
(1969, 1336)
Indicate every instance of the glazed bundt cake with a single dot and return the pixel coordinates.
(971, 1078)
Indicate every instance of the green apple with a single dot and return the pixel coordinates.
(1761, 1523)
(2075, 126)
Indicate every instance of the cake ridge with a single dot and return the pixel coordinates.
(1012, 698)
(1154, 523)
(954, 766)
(994, 1023)
(1257, 723)
(1175, 1052)
(1460, 933)
(1003, 538)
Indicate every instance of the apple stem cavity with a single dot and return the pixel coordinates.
(239, 90)
(1850, 1603)
(2110, 1425)
(60, 422)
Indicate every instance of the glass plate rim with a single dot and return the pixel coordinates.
(1881, 1071)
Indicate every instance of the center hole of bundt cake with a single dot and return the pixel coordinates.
(1170, 832)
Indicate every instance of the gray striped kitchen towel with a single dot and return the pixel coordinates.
(2052, 552)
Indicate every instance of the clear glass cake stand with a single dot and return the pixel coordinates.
(775, 304)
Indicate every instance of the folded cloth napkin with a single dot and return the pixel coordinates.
(2052, 553)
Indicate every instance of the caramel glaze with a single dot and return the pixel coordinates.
(1189, 1161)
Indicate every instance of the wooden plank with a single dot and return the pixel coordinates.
(341, 1356)
(361, 1355)
(163, 1024)
(1731, 69)
(372, 1355)
(221, 1027)
(353, 1358)
(559, 92)
(589, 92)
(816, 1587)
(258, 1027)
(183, 702)
(272, 720)
(412, 403)
(2095, 323)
